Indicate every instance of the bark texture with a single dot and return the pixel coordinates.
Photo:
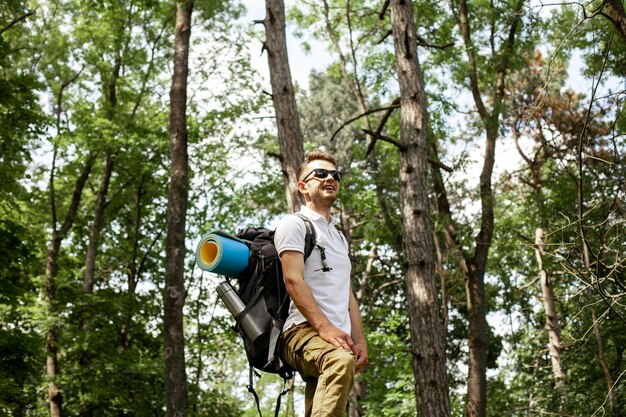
(287, 118)
(98, 219)
(552, 319)
(174, 294)
(614, 11)
(55, 398)
(429, 360)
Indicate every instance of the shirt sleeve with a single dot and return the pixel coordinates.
(289, 234)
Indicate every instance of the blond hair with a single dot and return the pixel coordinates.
(315, 156)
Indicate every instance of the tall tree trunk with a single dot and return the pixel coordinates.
(55, 398)
(287, 117)
(174, 294)
(96, 225)
(549, 306)
(429, 359)
(135, 267)
(478, 328)
(475, 267)
(101, 197)
(86, 408)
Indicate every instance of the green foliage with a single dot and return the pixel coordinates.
(84, 78)
(21, 349)
(21, 118)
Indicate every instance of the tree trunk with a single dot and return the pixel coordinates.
(134, 268)
(605, 367)
(478, 343)
(174, 294)
(429, 360)
(101, 198)
(287, 117)
(614, 11)
(86, 408)
(55, 399)
(552, 318)
(94, 232)
(475, 268)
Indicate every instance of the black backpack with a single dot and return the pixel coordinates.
(262, 290)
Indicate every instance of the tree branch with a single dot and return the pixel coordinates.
(381, 125)
(384, 138)
(16, 21)
(423, 42)
(383, 10)
(357, 117)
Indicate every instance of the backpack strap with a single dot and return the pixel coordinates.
(286, 389)
(310, 241)
(310, 237)
(253, 391)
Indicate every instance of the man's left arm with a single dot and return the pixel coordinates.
(360, 346)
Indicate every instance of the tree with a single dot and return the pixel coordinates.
(174, 292)
(614, 11)
(429, 364)
(283, 97)
(473, 266)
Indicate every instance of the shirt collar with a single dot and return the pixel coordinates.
(315, 216)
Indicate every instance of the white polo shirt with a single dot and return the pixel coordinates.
(331, 289)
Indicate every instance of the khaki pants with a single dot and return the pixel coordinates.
(327, 371)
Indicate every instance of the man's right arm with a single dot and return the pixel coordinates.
(293, 274)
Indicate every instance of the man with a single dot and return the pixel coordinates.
(323, 336)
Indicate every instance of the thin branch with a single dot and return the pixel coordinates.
(278, 156)
(386, 139)
(142, 263)
(357, 117)
(150, 65)
(423, 42)
(377, 292)
(16, 21)
(385, 36)
(381, 125)
(586, 259)
(403, 148)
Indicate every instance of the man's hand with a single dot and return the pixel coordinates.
(360, 351)
(336, 337)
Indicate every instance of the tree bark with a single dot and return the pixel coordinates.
(96, 225)
(614, 11)
(55, 398)
(429, 360)
(176, 400)
(552, 318)
(283, 97)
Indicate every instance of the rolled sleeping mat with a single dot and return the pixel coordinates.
(222, 253)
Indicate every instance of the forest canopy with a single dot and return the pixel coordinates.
(130, 128)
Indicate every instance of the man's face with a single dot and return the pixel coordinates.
(323, 189)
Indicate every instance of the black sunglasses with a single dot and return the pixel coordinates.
(323, 173)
